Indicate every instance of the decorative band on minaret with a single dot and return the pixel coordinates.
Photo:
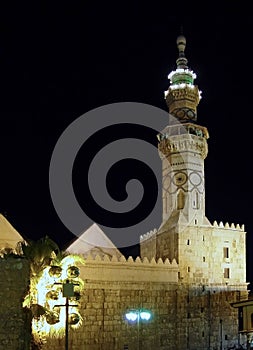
(182, 96)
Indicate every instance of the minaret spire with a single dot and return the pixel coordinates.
(182, 60)
(182, 96)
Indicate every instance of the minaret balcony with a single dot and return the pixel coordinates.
(184, 95)
(182, 129)
(183, 143)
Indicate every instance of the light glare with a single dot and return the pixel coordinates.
(132, 316)
(138, 314)
(145, 315)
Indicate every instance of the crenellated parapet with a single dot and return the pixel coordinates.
(148, 235)
(130, 260)
(231, 226)
(126, 270)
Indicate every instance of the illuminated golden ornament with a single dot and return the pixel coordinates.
(46, 298)
(52, 294)
(74, 318)
(55, 271)
(52, 318)
(73, 271)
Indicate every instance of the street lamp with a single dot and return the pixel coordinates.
(68, 293)
(137, 315)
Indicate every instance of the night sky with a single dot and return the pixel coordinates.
(60, 61)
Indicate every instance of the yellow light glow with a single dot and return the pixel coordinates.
(46, 296)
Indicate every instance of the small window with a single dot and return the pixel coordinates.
(202, 310)
(204, 258)
(226, 252)
(226, 273)
(180, 200)
(188, 269)
(240, 313)
(188, 242)
(203, 334)
(195, 202)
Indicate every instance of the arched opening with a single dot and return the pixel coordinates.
(180, 200)
(195, 202)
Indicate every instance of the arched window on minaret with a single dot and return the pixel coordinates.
(180, 200)
(195, 200)
(166, 204)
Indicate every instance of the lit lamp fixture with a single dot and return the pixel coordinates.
(58, 289)
(73, 272)
(137, 315)
(68, 292)
(134, 315)
(55, 271)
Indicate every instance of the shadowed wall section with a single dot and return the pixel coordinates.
(14, 320)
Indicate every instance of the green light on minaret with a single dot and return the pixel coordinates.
(182, 75)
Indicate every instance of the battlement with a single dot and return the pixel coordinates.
(148, 235)
(232, 226)
(130, 260)
(122, 270)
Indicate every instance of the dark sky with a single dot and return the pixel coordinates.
(61, 60)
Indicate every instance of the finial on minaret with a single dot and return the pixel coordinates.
(181, 44)
(183, 96)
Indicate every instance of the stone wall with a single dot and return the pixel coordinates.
(14, 322)
(103, 308)
(199, 251)
(113, 287)
(184, 316)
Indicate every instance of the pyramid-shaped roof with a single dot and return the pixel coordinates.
(9, 236)
(93, 242)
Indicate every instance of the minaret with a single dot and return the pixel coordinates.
(206, 254)
(183, 148)
(182, 96)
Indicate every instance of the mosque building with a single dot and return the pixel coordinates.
(189, 272)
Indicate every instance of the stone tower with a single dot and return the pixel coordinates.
(190, 271)
(183, 148)
(206, 253)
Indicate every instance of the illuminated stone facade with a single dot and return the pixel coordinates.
(189, 272)
(184, 315)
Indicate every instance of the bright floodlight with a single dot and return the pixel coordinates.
(131, 316)
(145, 315)
(138, 314)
